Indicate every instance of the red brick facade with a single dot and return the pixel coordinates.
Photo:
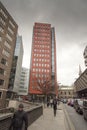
(41, 56)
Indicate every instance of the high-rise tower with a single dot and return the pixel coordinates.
(8, 32)
(43, 58)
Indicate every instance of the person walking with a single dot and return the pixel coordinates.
(51, 102)
(54, 106)
(19, 117)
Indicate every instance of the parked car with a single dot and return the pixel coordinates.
(85, 109)
(79, 106)
(70, 102)
(64, 100)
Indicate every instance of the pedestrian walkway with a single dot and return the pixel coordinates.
(48, 122)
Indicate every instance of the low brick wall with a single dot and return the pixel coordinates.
(33, 114)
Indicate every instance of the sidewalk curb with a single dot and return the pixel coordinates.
(68, 123)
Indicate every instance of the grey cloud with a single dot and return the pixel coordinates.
(69, 17)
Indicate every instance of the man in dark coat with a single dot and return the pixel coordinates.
(19, 117)
(55, 105)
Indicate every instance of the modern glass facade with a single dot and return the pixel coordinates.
(14, 82)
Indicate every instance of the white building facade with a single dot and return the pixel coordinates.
(24, 82)
(66, 92)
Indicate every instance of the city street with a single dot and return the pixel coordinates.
(43, 64)
(77, 119)
(48, 122)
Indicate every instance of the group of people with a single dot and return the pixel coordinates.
(20, 116)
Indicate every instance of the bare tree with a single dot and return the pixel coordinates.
(44, 86)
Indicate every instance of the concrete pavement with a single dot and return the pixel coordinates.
(48, 122)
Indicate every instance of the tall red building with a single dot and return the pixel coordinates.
(43, 58)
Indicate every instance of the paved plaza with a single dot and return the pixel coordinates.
(48, 122)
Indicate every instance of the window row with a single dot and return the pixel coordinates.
(3, 61)
(43, 65)
(42, 46)
(43, 60)
(40, 75)
(6, 43)
(10, 30)
(9, 37)
(3, 13)
(41, 50)
(41, 42)
(23, 91)
(65, 93)
(44, 29)
(45, 36)
(42, 38)
(11, 23)
(42, 25)
(4, 52)
(1, 82)
(42, 34)
(41, 55)
(2, 21)
(40, 70)
(1, 29)
(2, 71)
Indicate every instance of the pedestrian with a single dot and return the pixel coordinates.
(51, 102)
(19, 117)
(54, 106)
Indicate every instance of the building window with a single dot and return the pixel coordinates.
(9, 37)
(0, 38)
(1, 82)
(0, 94)
(6, 53)
(23, 91)
(3, 13)
(3, 61)
(7, 44)
(10, 30)
(1, 29)
(69, 93)
(33, 70)
(1, 71)
(2, 21)
(12, 24)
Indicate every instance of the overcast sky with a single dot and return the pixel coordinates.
(69, 17)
